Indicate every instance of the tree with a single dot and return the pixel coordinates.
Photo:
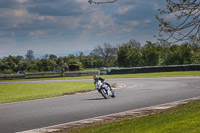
(107, 53)
(46, 56)
(134, 44)
(12, 63)
(196, 52)
(29, 55)
(174, 56)
(187, 14)
(135, 53)
(187, 53)
(87, 61)
(52, 57)
(24, 65)
(123, 55)
(129, 54)
(60, 64)
(151, 54)
(44, 65)
(1, 66)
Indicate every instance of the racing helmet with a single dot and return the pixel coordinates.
(95, 77)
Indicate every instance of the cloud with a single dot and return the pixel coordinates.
(172, 15)
(12, 18)
(22, 1)
(7, 40)
(134, 23)
(61, 8)
(80, 1)
(127, 30)
(124, 9)
(74, 22)
(37, 33)
(21, 13)
(156, 6)
(148, 21)
(102, 34)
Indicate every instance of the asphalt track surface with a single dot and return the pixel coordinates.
(138, 93)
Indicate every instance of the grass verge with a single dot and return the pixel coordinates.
(139, 75)
(23, 92)
(183, 119)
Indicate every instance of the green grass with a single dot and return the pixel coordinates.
(139, 75)
(183, 119)
(23, 92)
(161, 74)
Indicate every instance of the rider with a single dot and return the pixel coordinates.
(96, 78)
(109, 90)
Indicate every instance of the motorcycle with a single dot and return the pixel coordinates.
(105, 89)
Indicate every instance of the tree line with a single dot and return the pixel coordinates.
(130, 54)
(157, 54)
(100, 56)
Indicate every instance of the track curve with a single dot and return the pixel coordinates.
(138, 93)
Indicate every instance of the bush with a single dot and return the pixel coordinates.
(8, 71)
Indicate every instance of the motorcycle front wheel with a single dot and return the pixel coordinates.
(113, 92)
(104, 93)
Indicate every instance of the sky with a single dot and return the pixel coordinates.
(67, 26)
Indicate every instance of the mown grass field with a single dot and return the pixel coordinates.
(23, 92)
(139, 75)
(183, 119)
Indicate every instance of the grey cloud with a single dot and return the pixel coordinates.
(73, 22)
(7, 4)
(140, 12)
(59, 8)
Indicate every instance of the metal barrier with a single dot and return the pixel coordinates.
(49, 75)
(81, 73)
(150, 69)
(12, 76)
